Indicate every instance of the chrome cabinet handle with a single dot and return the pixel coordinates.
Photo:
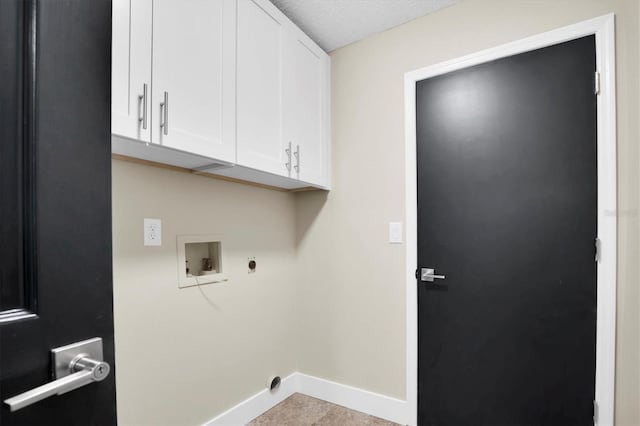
(75, 367)
(164, 114)
(428, 274)
(142, 107)
(288, 152)
(297, 155)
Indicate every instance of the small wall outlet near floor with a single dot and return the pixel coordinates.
(152, 232)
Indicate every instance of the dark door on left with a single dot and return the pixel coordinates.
(55, 213)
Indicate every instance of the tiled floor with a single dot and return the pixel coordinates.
(302, 410)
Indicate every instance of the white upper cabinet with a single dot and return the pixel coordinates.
(260, 142)
(193, 93)
(131, 69)
(306, 98)
(230, 87)
(283, 94)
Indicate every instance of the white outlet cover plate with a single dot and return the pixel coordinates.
(152, 232)
(395, 232)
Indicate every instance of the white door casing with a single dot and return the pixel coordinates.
(604, 30)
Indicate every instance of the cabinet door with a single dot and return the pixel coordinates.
(194, 76)
(306, 118)
(131, 69)
(260, 47)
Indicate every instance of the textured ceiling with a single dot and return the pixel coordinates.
(336, 23)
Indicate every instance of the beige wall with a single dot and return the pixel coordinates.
(352, 298)
(185, 355)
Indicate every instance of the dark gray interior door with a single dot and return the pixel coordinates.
(55, 208)
(507, 199)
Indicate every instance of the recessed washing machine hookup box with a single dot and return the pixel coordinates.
(200, 260)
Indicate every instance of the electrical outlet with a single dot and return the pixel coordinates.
(251, 265)
(152, 232)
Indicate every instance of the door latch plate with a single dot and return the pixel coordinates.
(427, 274)
(62, 356)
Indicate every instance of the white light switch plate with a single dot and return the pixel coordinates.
(395, 232)
(152, 232)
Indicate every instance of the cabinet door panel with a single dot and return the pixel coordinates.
(260, 37)
(305, 109)
(194, 63)
(131, 68)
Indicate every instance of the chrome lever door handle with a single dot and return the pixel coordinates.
(428, 274)
(89, 371)
(74, 369)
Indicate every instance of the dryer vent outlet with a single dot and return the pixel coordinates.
(274, 383)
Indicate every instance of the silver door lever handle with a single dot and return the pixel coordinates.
(82, 370)
(428, 274)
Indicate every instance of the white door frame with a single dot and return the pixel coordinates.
(604, 30)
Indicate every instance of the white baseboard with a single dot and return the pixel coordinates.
(252, 407)
(371, 403)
